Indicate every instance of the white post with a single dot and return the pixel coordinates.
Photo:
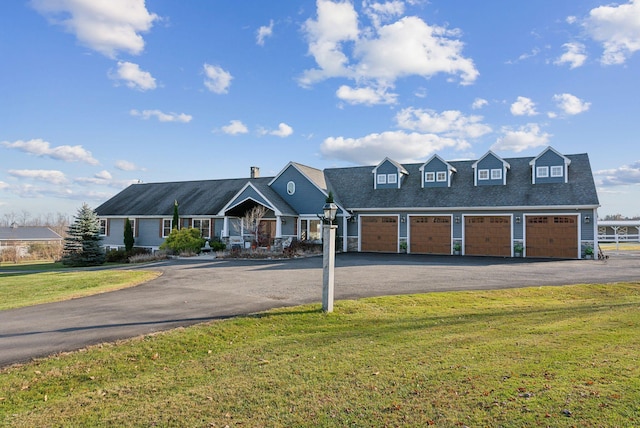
(328, 265)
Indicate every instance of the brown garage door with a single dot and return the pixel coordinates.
(430, 234)
(552, 236)
(487, 236)
(379, 234)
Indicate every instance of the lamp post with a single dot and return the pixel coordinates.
(328, 254)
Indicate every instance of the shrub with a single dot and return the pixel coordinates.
(183, 240)
(116, 256)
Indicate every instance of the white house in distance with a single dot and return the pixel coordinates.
(487, 207)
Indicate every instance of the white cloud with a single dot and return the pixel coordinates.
(450, 123)
(41, 148)
(104, 175)
(216, 79)
(523, 107)
(368, 96)
(124, 165)
(377, 56)
(574, 55)
(162, 117)
(617, 27)
(106, 26)
(570, 104)
(626, 174)
(478, 103)
(264, 32)
(235, 127)
(283, 131)
(3, 185)
(48, 176)
(523, 138)
(133, 76)
(397, 145)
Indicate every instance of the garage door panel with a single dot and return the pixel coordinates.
(379, 234)
(552, 236)
(430, 234)
(488, 236)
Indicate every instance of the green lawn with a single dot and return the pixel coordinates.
(28, 287)
(543, 356)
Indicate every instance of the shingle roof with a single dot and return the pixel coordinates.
(195, 198)
(28, 233)
(355, 188)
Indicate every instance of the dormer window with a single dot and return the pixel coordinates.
(430, 177)
(542, 171)
(392, 178)
(436, 172)
(441, 176)
(496, 174)
(382, 178)
(483, 174)
(388, 175)
(557, 171)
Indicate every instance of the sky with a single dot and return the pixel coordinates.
(98, 94)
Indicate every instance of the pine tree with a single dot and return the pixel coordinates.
(176, 216)
(82, 244)
(128, 235)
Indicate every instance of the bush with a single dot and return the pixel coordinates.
(183, 240)
(116, 256)
(217, 245)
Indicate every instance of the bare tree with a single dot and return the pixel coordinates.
(249, 224)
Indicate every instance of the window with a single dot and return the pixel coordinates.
(382, 178)
(392, 178)
(203, 225)
(133, 225)
(496, 174)
(291, 188)
(557, 171)
(441, 176)
(483, 174)
(430, 177)
(103, 227)
(542, 171)
(166, 227)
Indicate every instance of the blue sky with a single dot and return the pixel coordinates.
(98, 94)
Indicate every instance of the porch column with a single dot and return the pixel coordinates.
(225, 227)
(345, 235)
(278, 226)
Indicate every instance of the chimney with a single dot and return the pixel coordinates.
(255, 172)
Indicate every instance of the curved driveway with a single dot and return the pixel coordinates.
(201, 289)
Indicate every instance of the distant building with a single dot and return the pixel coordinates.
(20, 238)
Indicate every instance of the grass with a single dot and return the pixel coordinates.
(543, 356)
(27, 287)
(621, 246)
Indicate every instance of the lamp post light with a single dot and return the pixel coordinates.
(328, 254)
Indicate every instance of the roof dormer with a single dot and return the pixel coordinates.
(388, 175)
(490, 170)
(550, 167)
(436, 172)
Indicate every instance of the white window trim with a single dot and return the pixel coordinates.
(557, 171)
(496, 174)
(429, 176)
(103, 225)
(392, 178)
(483, 174)
(133, 226)
(208, 231)
(170, 226)
(382, 179)
(441, 176)
(542, 171)
(291, 188)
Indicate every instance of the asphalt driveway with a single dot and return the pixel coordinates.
(201, 289)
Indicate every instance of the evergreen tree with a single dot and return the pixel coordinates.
(82, 244)
(128, 235)
(176, 216)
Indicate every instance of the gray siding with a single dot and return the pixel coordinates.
(307, 199)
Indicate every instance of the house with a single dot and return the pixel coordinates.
(19, 238)
(547, 204)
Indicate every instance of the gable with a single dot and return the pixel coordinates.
(436, 172)
(490, 170)
(302, 192)
(550, 167)
(388, 175)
